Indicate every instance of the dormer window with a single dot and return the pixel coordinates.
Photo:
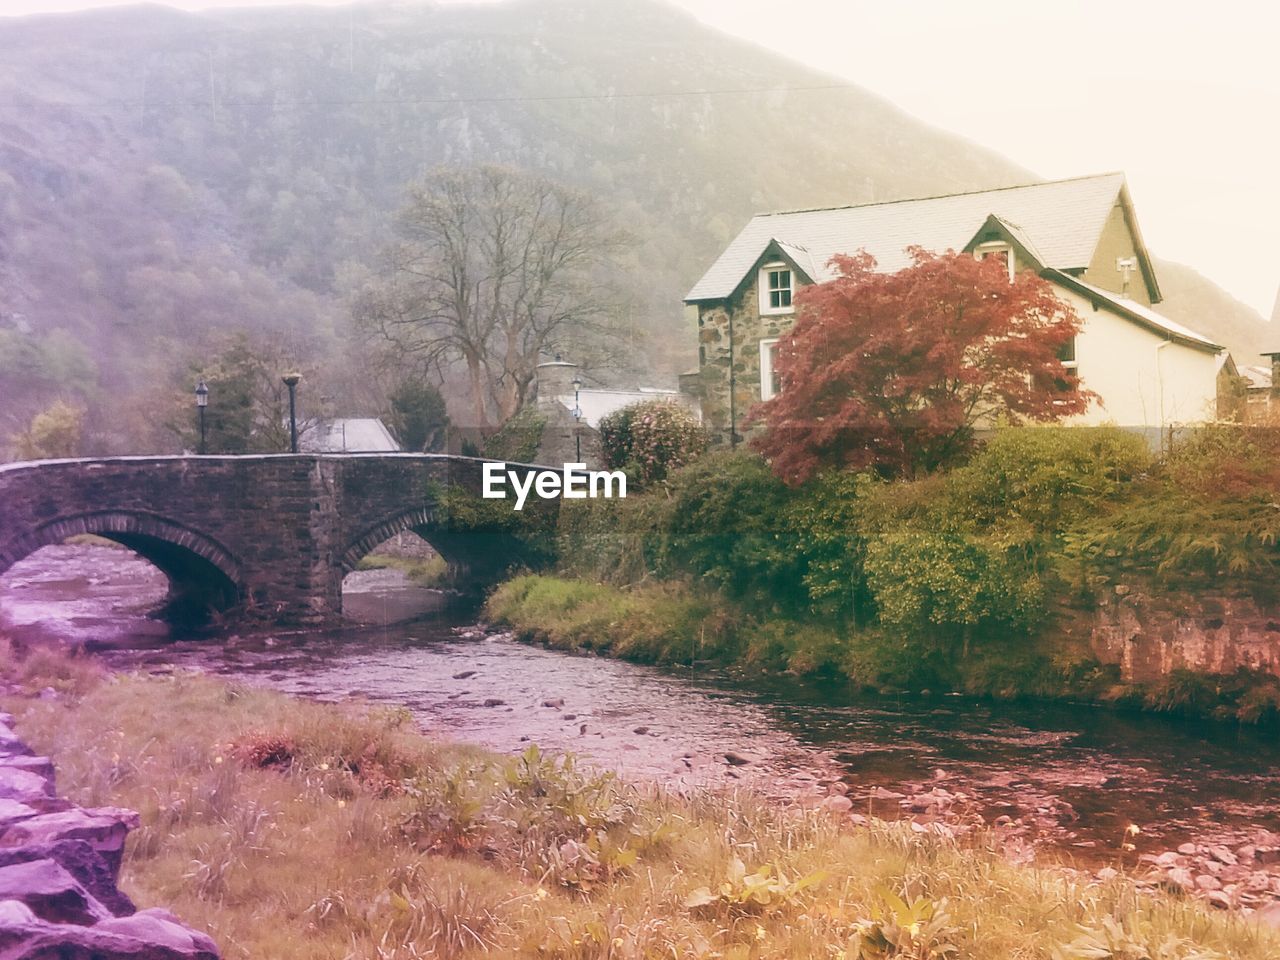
(776, 283)
(998, 249)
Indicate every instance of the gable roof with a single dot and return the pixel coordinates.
(1060, 220)
(997, 228)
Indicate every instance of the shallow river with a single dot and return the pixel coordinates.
(1067, 778)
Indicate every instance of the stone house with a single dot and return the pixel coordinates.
(1080, 234)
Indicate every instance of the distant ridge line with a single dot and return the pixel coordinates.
(437, 101)
(943, 196)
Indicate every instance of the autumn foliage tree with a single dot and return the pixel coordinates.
(893, 371)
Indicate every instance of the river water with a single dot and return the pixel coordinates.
(1060, 778)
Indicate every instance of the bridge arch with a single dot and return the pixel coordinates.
(202, 573)
(475, 557)
(419, 519)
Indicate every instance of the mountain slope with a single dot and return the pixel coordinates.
(164, 176)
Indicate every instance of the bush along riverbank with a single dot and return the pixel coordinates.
(290, 829)
(996, 578)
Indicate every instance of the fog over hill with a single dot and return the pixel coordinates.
(165, 176)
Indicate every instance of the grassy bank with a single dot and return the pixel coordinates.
(430, 571)
(290, 829)
(674, 622)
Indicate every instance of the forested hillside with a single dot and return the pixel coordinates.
(166, 177)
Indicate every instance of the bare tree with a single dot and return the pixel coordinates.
(496, 269)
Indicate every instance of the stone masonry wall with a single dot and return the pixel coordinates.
(1149, 638)
(59, 865)
(749, 328)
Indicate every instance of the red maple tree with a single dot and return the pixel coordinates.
(893, 371)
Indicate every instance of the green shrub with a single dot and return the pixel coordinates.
(662, 623)
(618, 541)
(1226, 461)
(649, 439)
(827, 517)
(1182, 541)
(921, 578)
(728, 524)
(800, 648)
(1047, 477)
(897, 660)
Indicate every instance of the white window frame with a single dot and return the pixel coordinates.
(1074, 363)
(1072, 366)
(766, 308)
(766, 367)
(983, 250)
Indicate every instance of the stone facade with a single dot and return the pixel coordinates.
(268, 536)
(711, 386)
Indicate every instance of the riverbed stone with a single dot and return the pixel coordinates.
(1223, 855)
(162, 928)
(35, 939)
(837, 803)
(1181, 878)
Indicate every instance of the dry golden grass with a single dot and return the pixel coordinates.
(290, 830)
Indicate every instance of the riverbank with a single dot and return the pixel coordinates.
(290, 829)
(1062, 564)
(675, 622)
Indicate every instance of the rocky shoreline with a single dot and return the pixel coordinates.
(1237, 870)
(59, 866)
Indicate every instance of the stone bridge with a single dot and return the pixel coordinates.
(271, 536)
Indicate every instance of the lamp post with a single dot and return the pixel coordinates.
(202, 401)
(291, 380)
(577, 418)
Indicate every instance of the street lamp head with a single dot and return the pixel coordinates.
(202, 394)
(291, 379)
(577, 384)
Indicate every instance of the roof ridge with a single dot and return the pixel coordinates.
(940, 196)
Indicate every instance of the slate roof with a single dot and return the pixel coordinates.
(348, 435)
(1061, 220)
(597, 404)
(1259, 377)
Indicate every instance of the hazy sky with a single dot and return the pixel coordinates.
(1184, 97)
